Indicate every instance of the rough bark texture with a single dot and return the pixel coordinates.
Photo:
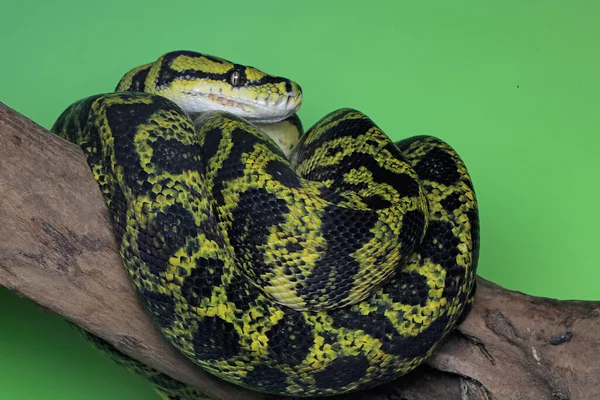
(57, 249)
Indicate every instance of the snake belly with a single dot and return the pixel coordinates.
(335, 273)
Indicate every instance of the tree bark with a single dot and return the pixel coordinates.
(57, 249)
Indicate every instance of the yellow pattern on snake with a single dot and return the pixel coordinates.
(334, 265)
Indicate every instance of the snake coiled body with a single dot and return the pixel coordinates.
(334, 272)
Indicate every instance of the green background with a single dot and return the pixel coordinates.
(512, 85)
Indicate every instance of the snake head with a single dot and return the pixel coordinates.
(199, 83)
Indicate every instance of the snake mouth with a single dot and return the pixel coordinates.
(263, 107)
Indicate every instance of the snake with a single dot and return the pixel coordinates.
(287, 262)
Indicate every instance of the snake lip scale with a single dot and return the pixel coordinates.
(288, 262)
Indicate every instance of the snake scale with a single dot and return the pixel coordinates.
(292, 263)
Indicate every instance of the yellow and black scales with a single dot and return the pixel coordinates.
(336, 273)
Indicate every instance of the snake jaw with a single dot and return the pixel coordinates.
(261, 108)
(201, 102)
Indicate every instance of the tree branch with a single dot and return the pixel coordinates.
(57, 248)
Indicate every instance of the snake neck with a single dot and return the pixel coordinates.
(286, 133)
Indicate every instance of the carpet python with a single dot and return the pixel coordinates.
(290, 263)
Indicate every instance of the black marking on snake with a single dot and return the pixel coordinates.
(438, 165)
(212, 140)
(90, 143)
(209, 227)
(201, 280)
(408, 288)
(393, 149)
(233, 167)
(404, 144)
(171, 56)
(338, 226)
(161, 307)
(335, 116)
(468, 305)
(288, 86)
(65, 126)
(413, 223)
(333, 150)
(381, 328)
(262, 375)
(431, 246)
(289, 339)
(403, 183)
(174, 156)
(444, 255)
(350, 128)
(282, 173)
(341, 186)
(292, 247)
(215, 339)
(241, 292)
(168, 74)
(118, 207)
(417, 346)
(246, 234)
(146, 185)
(466, 179)
(473, 216)
(123, 120)
(138, 80)
(269, 79)
(329, 195)
(342, 372)
(73, 119)
(161, 239)
(377, 202)
(452, 202)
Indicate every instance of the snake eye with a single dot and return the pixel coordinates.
(237, 78)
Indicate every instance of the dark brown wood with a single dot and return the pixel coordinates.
(57, 249)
